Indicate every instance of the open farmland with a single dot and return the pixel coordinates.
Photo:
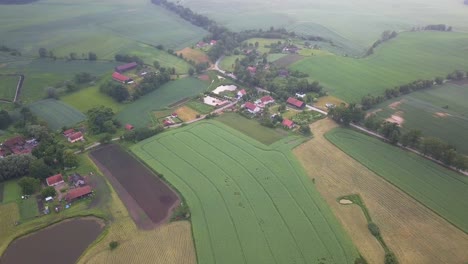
(228, 62)
(57, 114)
(104, 27)
(440, 112)
(8, 86)
(412, 231)
(43, 73)
(150, 54)
(144, 194)
(440, 189)
(409, 57)
(249, 203)
(195, 55)
(139, 112)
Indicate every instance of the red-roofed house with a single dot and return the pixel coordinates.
(129, 127)
(241, 93)
(296, 103)
(54, 180)
(126, 67)
(201, 44)
(288, 123)
(252, 108)
(213, 42)
(121, 78)
(17, 145)
(68, 132)
(78, 193)
(267, 100)
(252, 70)
(77, 136)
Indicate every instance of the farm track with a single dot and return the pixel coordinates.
(415, 233)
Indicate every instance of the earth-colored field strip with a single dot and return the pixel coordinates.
(105, 27)
(440, 112)
(186, 113)
(249, 203)
(415, 233)
(195, 55)
(252, 128)
(139, 113)
(409, 57)
(440, 189)
(8, 87)
(57, 114)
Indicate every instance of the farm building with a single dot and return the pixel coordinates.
(283, 73)
(241, 93)
(18, 145)
(296, 103)
(252, 108)
(68, 132)
(121, 78)
(126, 67)
(201, 44)
(77, 136)
(129, 127)
(252, 70)
(76, 180)
(213, 42)
(289, 124)
(54, 180)
(267, 100)
(77, 193)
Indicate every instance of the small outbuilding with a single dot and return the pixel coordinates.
(267, 100)
(296, 103)
(289, 124)
(241, 93)
(129, 127)
(126, 67)
(252, 108)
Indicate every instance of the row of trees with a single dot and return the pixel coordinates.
(386, 35)
(128, 58)
(44, 53)
(11, 51)
(139, 134)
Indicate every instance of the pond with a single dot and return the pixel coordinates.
(60, 243)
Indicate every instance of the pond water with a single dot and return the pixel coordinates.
(61, 243)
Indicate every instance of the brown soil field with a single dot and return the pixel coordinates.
(186, 113)
(143, 193)
(285, 61)
(395, 105)
(396, 118)
(412, 231)
(195, 55)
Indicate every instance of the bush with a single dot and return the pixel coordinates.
(390, 258)
(113, 245)
(48, 191)
(374, 229)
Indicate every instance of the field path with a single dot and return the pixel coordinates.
(413, 232)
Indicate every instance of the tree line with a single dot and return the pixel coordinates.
(386, 36)
(44, 53)
(436, 27)
(11, 51)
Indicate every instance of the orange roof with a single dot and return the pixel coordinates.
(295, 102)
(250, 106)
(78, 192)
(120, 77)
(266, 99)
(54, 179)
(75, 136)
(288, 123)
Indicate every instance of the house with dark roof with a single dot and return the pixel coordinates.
(76, 180)
(126, 67)
(289, 124)
(296, 103)
(78, 193)
(54, 180)
(252, 108)
(121, 78)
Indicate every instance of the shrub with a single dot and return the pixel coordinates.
(374, 229)
(390, 258)
(113, 245)
(48, 191)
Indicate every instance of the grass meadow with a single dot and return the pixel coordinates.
(252, 128)
(443, 191)
(104, 27)
(8, 87)
(426, 111)
(228, 62)
(57, 114)
(249, 203)
(140, 112)
(411, 56)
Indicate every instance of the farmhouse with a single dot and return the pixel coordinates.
(296, 103)
(121, 78)
(126, 67)
(77, 136)
(54, 180)
(78, 193)
(289, 124)
(252, 70)
(68, 132)
(17, 145)
(201, 44)
(267, 100)
(76, 180)
(241, 93)
(213, 42)
(252, 108)
(128, 127)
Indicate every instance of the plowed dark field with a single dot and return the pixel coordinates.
(136, 185)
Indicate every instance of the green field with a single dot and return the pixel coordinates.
(252, 128)
(43, 73)
(356, 24)
(57, 114)
(409, 57)
(11, 191)
(8, 87)
(105, 27)
(228, 62)
(200, 107)
(424, 110)
(443, 191)
(262, 42)
(249, 203)
(28, 208)
(140, 112)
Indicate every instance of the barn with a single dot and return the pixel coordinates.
(121, 78)
(296, 103)
(126, 67)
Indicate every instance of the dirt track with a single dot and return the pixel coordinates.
(148, 199)
(413, 232)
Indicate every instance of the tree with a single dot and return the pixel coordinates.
(113, 245)
(38, 132)
(51, 92)
(97, 117)
(106, 138)
(282, 107)
(391, 131)
(5, 119)
(42, 53)
(439, 80)
(70, 160)
(92, 56)
(38, 169)
(48, 191)
(156, 64)
(14, 166)
(411, 138)
(191, 71)
(83, 77)
(29, 185)
(305, 130)
(390, 258)
(374, 229)
(373, 122)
